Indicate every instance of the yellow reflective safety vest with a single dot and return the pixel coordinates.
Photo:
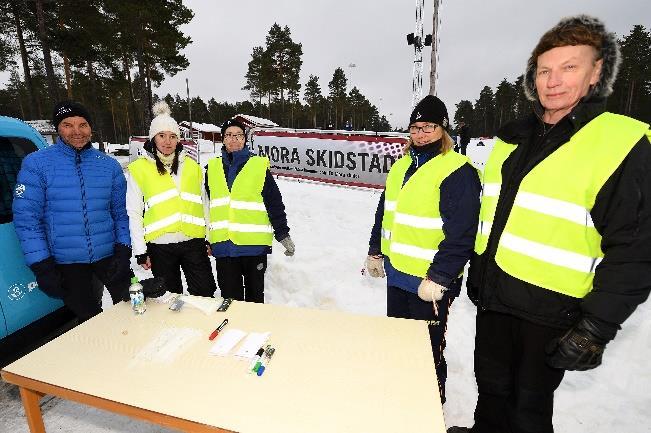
(239, 215)
(491, 180)
(168, 210)
(549, 239)
(412, 228)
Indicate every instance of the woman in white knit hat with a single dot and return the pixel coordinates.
(166, 211)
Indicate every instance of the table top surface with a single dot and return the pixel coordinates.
(332, 371)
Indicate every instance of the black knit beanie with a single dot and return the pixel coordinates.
(232, 122)
(430, 109)
(65, 109)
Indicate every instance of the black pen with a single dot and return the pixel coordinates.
(266, 360)
(218, 330)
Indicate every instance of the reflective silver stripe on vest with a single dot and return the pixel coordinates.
(417, 221)
(248, 205)
(222, 201)
(194, 198)
(386, 234)
(412, 251)
(161, 197)
(218, 225)
(244, 228)
(161, 224)
(491, 189)
(390, 205)
(174, 218)
(191, 219)
(547, 254)
(250, 228)
(554, 207)
(485, 227)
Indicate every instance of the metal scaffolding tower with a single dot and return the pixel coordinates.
(433, 75)
(418, 40)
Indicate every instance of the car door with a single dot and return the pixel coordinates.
(21, 302)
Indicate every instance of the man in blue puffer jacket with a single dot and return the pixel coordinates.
(70, 216)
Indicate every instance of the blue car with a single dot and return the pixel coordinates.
(27, 315)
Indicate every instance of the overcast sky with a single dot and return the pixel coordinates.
(481, 42)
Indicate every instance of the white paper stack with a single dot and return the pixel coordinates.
(226, 341)
(207, 305)
(253, 342)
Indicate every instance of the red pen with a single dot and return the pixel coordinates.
(218, 330)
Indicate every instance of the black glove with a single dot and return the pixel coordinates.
(48, 278)
(153, 287)
(582, 347)
(141, 259)
(120, 265)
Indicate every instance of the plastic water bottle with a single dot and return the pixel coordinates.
(137, 296)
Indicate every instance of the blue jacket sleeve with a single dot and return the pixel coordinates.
(273, 201)
(28, 209)
(375, 243)
(459, 208)
(119, 207)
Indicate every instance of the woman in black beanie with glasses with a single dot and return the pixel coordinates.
(425, 226)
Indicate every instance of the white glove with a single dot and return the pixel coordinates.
(430, 291)
(290, 248)
(375, 266)
(165, 298)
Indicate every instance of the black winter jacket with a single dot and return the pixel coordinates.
(621, 214)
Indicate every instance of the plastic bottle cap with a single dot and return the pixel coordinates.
(134, 279)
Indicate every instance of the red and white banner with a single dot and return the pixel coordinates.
(341, 157)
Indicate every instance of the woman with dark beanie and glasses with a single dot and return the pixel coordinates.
(246, 213)
(425, 226)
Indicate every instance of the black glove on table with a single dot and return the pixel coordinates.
(582, 347)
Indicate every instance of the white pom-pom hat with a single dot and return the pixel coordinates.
(163, 120)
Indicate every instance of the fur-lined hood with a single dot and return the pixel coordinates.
(609, 53)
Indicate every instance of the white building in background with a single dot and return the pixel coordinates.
(45, 128)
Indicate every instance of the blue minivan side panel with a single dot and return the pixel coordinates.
(21, 301)
(3, 326)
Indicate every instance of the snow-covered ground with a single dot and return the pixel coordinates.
(330, 226)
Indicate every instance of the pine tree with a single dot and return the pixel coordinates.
(522, 104)
(17, 10)
(150, 32)
(356, 102)
(632, 90)
(484, 112)
(53, 85)
(258, 75)
(313, 97)
(285, 62)
(464, 113)
(505, 102)
(337, 95)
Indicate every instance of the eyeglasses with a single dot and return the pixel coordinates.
(431, 127)
(234, 136)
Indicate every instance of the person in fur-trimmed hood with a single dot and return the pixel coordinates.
(563, 250)
(165, 204)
